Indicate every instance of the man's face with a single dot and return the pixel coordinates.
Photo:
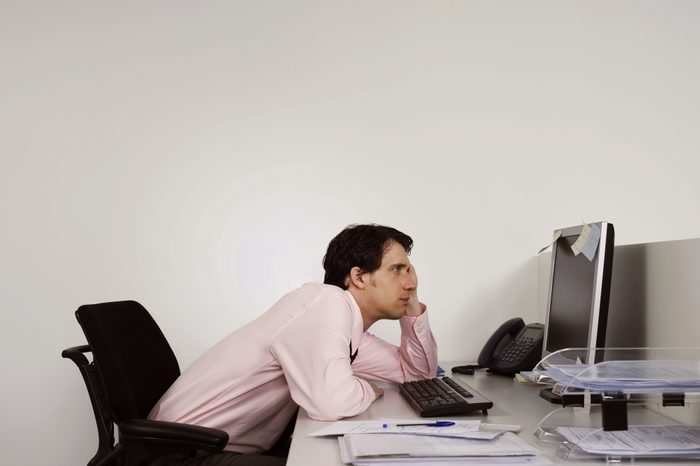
(392, 284)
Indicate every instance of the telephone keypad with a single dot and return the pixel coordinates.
(516, 349)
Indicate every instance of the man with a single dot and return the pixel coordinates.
(312, 349)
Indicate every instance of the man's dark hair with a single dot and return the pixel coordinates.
(360, 246)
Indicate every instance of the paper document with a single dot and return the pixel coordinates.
(674, 440)
(486, 427)
(401, 446)
(347, 458)
(460, 429)
(630, 376)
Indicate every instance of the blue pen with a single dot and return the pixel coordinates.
(425, 424)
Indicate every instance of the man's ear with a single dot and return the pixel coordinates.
(356, 278)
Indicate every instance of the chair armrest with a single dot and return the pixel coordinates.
(146, 431)
(75, 354)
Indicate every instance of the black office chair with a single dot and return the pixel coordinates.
(133, 365)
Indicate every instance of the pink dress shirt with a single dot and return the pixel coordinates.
(297, 353)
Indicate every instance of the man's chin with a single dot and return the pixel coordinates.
(402, 312)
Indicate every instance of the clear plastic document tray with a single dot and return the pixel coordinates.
(623, 403)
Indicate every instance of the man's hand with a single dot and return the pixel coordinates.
(377, 391)
(415, 307)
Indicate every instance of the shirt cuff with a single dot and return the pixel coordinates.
(416, 324)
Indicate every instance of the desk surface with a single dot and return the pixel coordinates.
(514, 403)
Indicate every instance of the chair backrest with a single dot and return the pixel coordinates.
(131, 355)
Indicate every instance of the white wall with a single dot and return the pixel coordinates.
(198, 156)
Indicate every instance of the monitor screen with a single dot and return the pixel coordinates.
(579, 292)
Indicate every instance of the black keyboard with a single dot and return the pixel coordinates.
(443, 397)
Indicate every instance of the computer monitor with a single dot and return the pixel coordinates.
(579, 293)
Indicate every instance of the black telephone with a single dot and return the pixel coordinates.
(512, 348)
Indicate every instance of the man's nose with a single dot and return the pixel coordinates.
(410, 282)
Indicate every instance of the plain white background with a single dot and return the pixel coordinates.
(198, 157)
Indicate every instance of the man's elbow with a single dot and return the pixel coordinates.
(335, 408)
(326, 415)
(332, 413)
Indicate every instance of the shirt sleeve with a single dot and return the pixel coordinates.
(314, 353)
(414, 359)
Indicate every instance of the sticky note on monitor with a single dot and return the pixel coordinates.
(555, 237)
(587, 242)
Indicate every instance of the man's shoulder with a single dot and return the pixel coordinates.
(322, 290)
(326, 300)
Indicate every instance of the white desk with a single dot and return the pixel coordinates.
(513, 404)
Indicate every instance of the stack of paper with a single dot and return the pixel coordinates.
(378, 448)
(630, 376)
(376, 443)
(523, 377)
(636, 441)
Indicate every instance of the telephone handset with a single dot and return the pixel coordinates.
(512, 348)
